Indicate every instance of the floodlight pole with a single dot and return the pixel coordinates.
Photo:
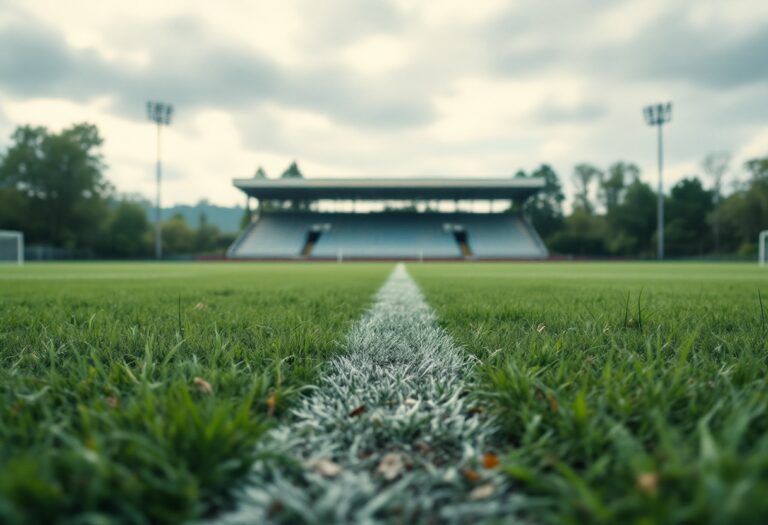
(158, 178)
(657, 115)
(160, 114)
(660, 198)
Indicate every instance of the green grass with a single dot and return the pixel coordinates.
(629, 392)
(101, 417)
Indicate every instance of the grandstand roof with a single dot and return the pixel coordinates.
(391, 188)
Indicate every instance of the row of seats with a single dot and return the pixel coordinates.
(388, 235)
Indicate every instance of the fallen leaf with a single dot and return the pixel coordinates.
(203, 385)
(471, 475)
(541, 327)
(648, 482)
(483, 491)
(490, 460)
(359, 411)
(391, 466)
(409, 402)
(271, 402)
(554, 406)
(326, 467)
(113, 402)
(200, 306)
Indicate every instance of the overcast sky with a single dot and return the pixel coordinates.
(387, 88)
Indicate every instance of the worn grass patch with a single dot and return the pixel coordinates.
(630, 393)
(135, 393)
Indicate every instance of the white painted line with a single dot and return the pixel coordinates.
(387, 436)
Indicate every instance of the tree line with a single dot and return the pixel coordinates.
(614, 211)
(52, 187)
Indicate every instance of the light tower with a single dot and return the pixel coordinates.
(159, 113)
(658, 115)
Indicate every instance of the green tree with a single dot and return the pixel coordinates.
(292, 172)
(60, 176)
(715, 166)
(13, 209)
(612, 185)
(206, 236)
(127, 232)
(744, 214)
(545, 209)
(583, 176)
(583, 235)
(631, 225)
(260, 173)
(758, 168)
(688, 206)
(178, 237)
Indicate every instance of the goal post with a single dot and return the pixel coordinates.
(761, 248)
(11, 247)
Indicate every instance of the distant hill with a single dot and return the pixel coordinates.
(225, 218)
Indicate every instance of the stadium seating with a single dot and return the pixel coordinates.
(389, 235)
(278, 235)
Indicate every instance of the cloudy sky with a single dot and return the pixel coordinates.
(387, 88)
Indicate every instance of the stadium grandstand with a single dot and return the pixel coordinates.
(389, 219)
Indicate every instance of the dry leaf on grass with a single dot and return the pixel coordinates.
(271, 402)
(554, 406)
(541, 327)
(200, 306)
(359, 411)
(391, 466)
(648, 482)
(471, 475)
(490, 460)
(113, 402)
(486, 490)
(326, 467)
(203, 385)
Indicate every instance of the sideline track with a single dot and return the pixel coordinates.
(388, 435)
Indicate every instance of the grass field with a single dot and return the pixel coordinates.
(101, 411)
(628, 392)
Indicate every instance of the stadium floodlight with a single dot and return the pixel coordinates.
(761, 251)
(658, 115)
(11, 247)
(159, 113)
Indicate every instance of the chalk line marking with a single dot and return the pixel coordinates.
(388, 434)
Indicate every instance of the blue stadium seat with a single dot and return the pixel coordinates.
(390, 235)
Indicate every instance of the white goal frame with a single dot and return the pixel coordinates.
(762, 240)
(19, 245)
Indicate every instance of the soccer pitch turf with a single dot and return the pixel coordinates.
(623, 391)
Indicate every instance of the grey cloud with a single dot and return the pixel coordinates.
(35, 62)
(564, 114)
(675, 50)
(338, 22)
(529, 39)
(193, 69)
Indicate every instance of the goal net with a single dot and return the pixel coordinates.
(762, 249)
(11, 247)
